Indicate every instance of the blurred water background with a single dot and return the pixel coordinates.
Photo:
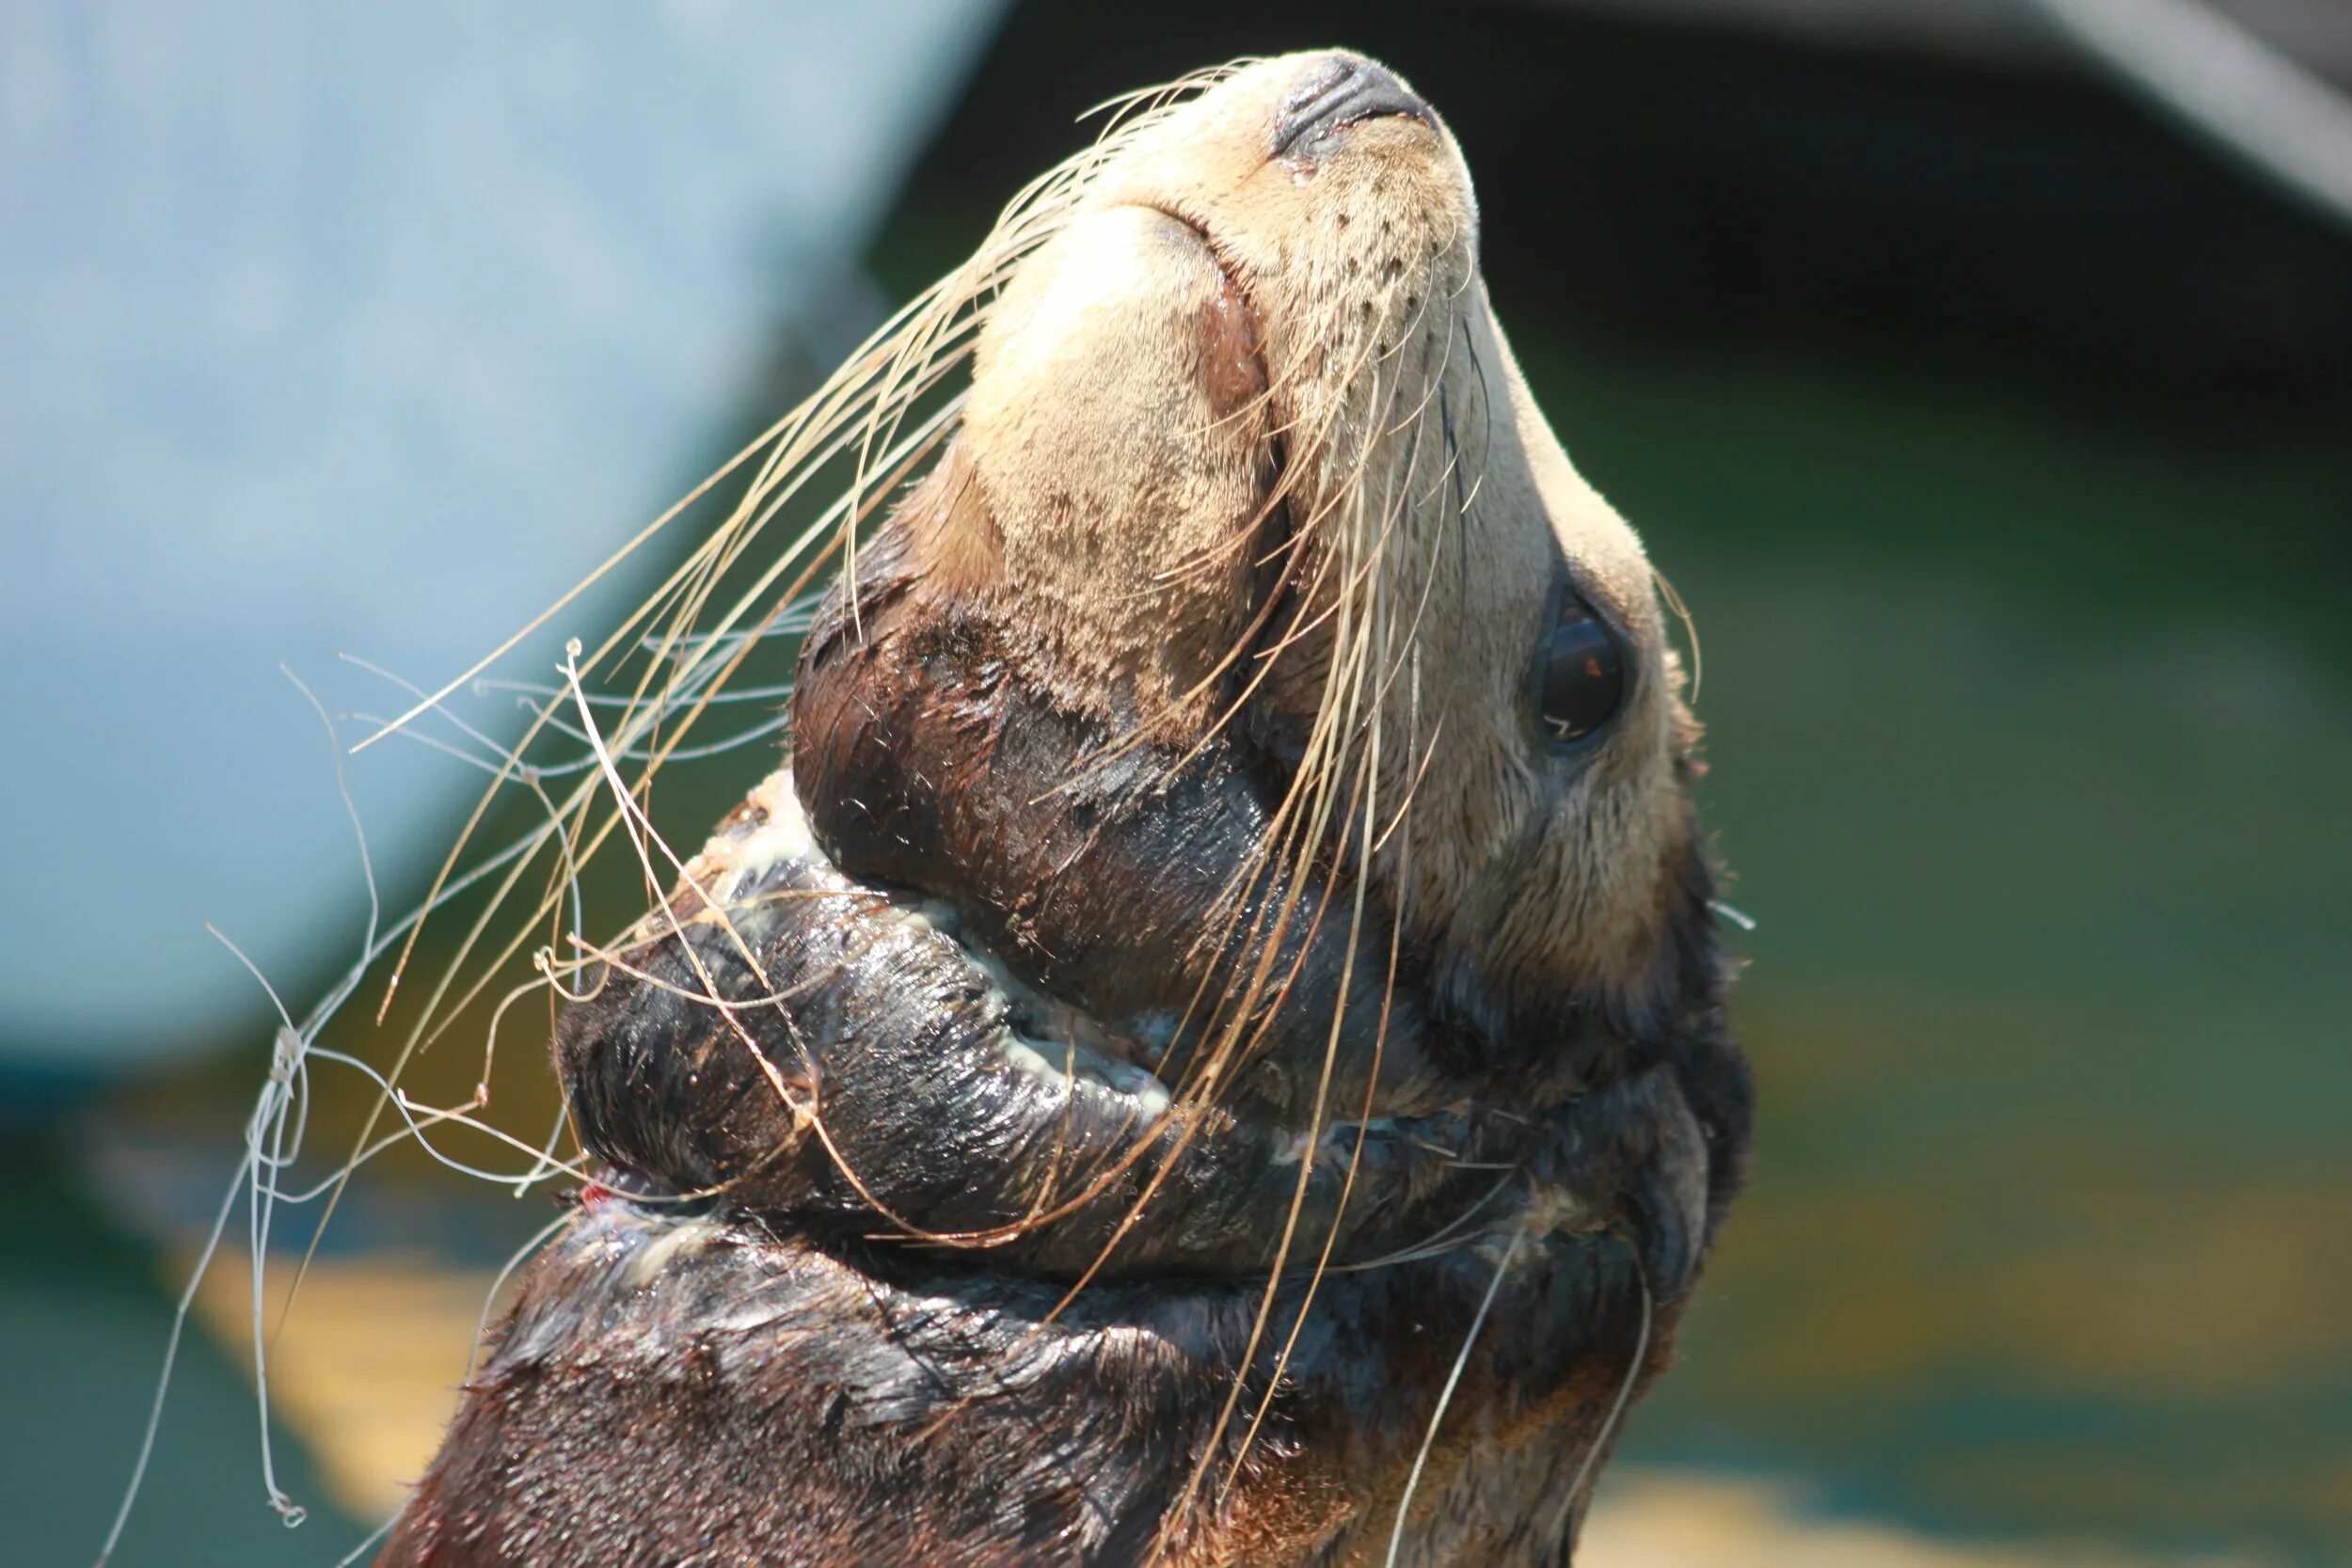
(1993, 430)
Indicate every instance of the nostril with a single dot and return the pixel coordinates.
(1336, 91)
(1321, 80)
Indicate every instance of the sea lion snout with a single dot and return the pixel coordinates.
(1336, 90)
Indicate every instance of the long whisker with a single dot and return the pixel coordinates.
(1445, 1396)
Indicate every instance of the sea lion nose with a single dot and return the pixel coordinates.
(1337, 90)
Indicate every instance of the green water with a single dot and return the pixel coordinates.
(83, 1320)
(2032, 745)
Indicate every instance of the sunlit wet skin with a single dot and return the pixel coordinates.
(1182, 886)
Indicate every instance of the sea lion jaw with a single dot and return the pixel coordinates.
(1254, 351)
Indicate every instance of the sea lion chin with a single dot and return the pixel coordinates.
(1211, 1051)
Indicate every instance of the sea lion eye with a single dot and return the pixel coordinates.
(1580, 673)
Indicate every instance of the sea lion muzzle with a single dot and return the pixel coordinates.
(1211, 1051)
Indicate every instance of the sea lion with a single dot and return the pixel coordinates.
(1213, 1049)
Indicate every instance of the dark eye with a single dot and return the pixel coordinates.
(1580, 674)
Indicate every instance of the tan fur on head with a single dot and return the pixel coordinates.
(1138, 480)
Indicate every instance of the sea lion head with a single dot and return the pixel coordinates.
(1242, 791)
(1267, 736)
(1272, 737)
(1249, 440)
